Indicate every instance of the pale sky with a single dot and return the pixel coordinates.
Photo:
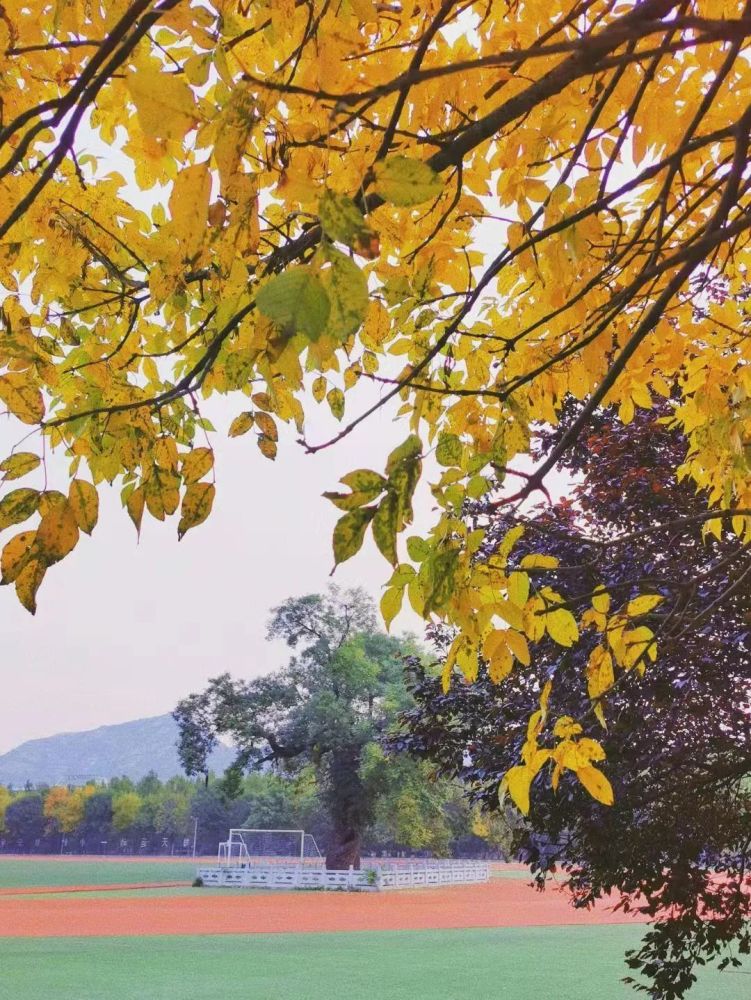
(123, 630)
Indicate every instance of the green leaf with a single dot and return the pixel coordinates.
(347, 289)
(385, 526)
(297, 301)
(341, 219)
(404, 181)
(349, 533)
(449, 450)
(335, 399)
(15, 466)
(437, 577)
(17, 506)
(410, 448)
(417, 548)
(404, 479)
(350, 501)
(364, 480)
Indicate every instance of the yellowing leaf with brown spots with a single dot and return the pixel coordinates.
(22, 397)
(84, 502)
(196, 507)
(16, 554)
(15, 466)
(28, 581)
(57, 534)
(196, 464)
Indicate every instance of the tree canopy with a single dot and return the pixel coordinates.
(674, 837)
(337, 696)
(481, 209)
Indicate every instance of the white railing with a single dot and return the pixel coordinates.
(424, 873)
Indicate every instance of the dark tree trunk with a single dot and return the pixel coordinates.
(344, 849)
(348, 808)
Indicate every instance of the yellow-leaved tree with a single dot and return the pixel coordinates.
(479, 208)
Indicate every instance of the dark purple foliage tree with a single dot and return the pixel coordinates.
(677, 841)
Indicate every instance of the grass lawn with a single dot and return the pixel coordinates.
(506, 964)
(16, 873)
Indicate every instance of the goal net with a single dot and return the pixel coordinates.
(246, 847)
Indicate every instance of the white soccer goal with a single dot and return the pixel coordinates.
(251, 847)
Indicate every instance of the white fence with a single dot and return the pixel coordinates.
(423, 873)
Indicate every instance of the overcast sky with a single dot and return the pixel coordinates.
(123, 629)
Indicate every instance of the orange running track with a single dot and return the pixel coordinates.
(500, 903)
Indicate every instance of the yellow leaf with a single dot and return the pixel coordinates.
(22, 397)
(562, 627)
(164, 102)
(601, 601)
(501, 663)
(518, 781)
(134, 505)
(404, 181)
(518, 588)
(27, 583)
(335, 399)
(267, 447)
(19, 465)
(241, 424)
(600, 676)
(192, 188)
(641, 605)
(84, 502)
(15, 555)
(196, 464)
(510, 613)
(566, 727)
(165, 453)
(17, 506)
(519, 646)
(57, 534)
(197, 504)
(539, 561)
(349, 533)
(391, 604)
(267, 426)
(596, 784)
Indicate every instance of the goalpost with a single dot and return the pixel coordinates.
(247, 847)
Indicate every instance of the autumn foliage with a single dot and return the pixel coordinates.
(479, 209)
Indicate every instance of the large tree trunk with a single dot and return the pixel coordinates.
(348, 808)
(344, 849)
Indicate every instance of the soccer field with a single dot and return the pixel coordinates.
(545, 963)
(16, 873)
(178, 943)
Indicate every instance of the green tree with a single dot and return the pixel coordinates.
(410, 804)
(5, 799)
(337, 695)
(126, 809)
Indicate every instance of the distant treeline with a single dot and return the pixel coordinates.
(154, 817)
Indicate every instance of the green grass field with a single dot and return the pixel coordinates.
(505, 964)
(545, 963)
(16, 873)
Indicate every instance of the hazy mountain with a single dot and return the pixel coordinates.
(131, 748)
